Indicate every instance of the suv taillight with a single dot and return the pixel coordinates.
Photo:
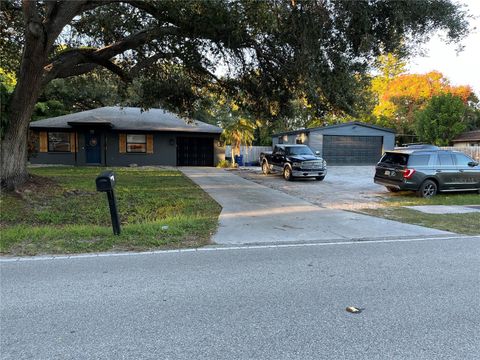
(408, 173)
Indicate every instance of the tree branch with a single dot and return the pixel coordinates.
(68, 60)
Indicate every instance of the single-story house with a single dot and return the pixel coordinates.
(353, 143)
(116, 136)
(469, 138)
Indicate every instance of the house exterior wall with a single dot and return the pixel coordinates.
(462, 144)
(164, 150)
(60, 158)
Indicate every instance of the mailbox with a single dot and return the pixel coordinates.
(105, 181)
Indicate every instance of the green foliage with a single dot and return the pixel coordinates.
(222, 164)
(442, 120)
(274, 54)
(88, 91)
(12, 28)
(7, 85)
(60, 211)
(47, 109)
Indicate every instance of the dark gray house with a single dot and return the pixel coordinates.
(115, 136)
(352, 143)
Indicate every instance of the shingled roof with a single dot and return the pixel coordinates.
(468, 136)
(127, 118)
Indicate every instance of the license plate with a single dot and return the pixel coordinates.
(387, 172)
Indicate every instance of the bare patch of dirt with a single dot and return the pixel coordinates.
(36, 184)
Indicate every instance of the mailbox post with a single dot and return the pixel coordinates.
(105, 183)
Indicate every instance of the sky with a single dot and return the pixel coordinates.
(462, 68)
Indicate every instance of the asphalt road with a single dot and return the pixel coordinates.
(421, 300)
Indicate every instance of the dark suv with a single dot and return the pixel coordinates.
(427, 170)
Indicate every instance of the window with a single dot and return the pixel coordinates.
(58, 142)
(280, 139)
(419, 160)
(298, 150)
(394, 158)
(136, 143)
(462, 160)
(445, 159)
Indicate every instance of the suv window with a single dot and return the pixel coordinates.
(394, 159)
(445, 159)
(461, 159)
(419, 160)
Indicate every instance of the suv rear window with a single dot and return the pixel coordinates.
(394, 159)
(419, 159)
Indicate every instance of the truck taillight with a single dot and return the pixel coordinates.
(408, 173)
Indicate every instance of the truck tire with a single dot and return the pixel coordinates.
(265, 169)
(287, 173)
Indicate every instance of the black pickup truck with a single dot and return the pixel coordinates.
(294, 161)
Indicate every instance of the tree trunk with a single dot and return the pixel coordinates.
(13, 147)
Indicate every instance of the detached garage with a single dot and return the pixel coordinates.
(353, 143)
(115, 136)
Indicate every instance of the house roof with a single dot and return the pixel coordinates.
(358, 123)
(468, 136)
(126, 118)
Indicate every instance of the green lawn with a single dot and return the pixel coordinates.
(60, 211)
(394, 209)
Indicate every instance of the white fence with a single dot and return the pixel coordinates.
(472, 151)
(250, 153)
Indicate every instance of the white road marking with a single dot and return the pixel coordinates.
(229, 248)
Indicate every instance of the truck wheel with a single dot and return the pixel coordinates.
(427, 189)
(320, 178)
(287, 173)
(265, 169)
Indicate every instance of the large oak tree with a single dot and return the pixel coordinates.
(269, 50)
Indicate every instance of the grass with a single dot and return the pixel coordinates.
(60, 212)
(468, 224)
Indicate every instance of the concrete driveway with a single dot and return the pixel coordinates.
(253, 213)
(345, 187)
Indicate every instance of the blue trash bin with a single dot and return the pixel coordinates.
(239, 160)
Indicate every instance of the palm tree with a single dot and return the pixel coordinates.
(238, 132)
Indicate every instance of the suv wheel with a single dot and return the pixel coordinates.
(265, 169)
(392, 189)
(320, 178)
(427, 189)
(287, 173)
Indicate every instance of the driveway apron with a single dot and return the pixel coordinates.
(253, 213)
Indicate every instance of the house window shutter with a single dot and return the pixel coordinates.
(73, 142)
(122, 143)
(43, 140)
(149, 144)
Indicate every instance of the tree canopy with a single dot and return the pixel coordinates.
(261, 53)
(442, 120)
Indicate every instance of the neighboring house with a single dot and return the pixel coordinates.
(469, 138)
(115, 136)
(352, 143)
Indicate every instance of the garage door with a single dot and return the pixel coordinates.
(193, 151)
(352, 150)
